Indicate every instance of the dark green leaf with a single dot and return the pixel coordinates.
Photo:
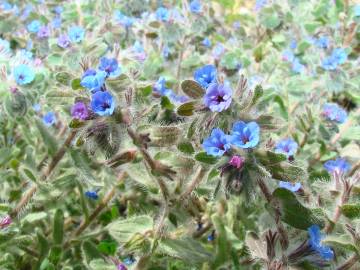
(351, 211)
(205, 158)
(192, 89)
(58, 232)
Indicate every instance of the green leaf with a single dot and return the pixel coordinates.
(186, 249)
(303, 46)
(205, 158)
(90, 251)
(222, 246)
(76, 123)
(166, 103)
(269, 18)
(186, 147)
(123, 230)
(58, 231)
(192, 89)
(33, 217)
(75, 84)
(100, 264)
(258, 92)
(108, 248)
(118, 84)
(293, 212)
(49, 140)
(55, 254)
(63, 78)
(283, 109)
(186, 109)
(343, 241)
(351, 211)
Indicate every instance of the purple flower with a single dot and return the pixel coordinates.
(205, 75)
(5, 222)
(217, 144)
(63, 41)
(218, 97)
(287, 147)
(294, 187)
(315, 238)
(245, 135)
(338, 166)
(237, 161)
(334, 113)
(49, 119)
(102, 103)
(79, 111)
(121, 266)
(43, 32)
(110, 66)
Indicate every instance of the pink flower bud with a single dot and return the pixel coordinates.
(5, 221)
(237, 161)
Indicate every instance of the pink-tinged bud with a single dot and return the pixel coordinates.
(5, 221)
(237, 161)
(37, 62)
(13, 89)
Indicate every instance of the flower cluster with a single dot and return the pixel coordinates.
(243, 135)
(315, 238)
(333, 112)
(337, 57)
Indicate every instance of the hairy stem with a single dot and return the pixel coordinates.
(349, 263)
(55, 160)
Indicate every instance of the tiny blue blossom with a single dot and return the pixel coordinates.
(23, 74)
(123, 19)
(288, 56)
(322, 42)
(63, 41)
(110, 66)
(211, 237)
(56, 22)
(245, 135)
(315, 238)
(218, 97)
(43, 32)
(76, 34)
(206, 42)
(34, 26)
(337, 57)
(165, 51)
(206, 75)
(297, 67)
(161, 89)
(92, 195)
(129, 260)
(287, 147)
(294, 187)
(338, 166)
(93, 80)
(195, 6)
(36, 107)
(58, 9)
(334, 113)
(293, 44)
(217, 144)
(49, 119)
(162, 14)
(259, 4)
(102, 103)
(218, 50)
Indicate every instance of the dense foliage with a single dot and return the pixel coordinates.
(147, 134)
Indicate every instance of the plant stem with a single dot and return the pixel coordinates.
(197, 178)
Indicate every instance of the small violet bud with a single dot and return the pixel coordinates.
(5, 222)
(237, 161)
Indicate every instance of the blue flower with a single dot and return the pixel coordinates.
(287, 147)
(297, 67)
(259, 4)
(49, 119)
(218, 97)
(93, 80)
(162, 14)
(34, 26)
(315, 238)
(56, 22)
(23, 74)
(76, 34)
(110, 66)
(218, 50)
(58, 9)
(334, 113)
(123, 19)
(217, 144)
(92, 195)
(160, 88)
(37, 107)
(290, 186)
(322, 42)
(205, 75)
(245, 135)
(195, 6)
(206, 42)
(43, 32)
(165, 51)
(337, 57)
(293, 44)
(102, 103)
(129, 260)
(339, 166)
